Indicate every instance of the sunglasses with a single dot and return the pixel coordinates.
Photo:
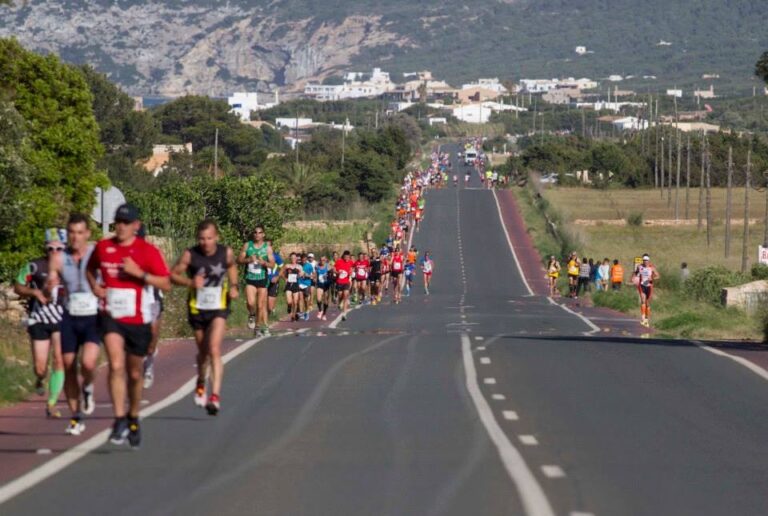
(54, 249)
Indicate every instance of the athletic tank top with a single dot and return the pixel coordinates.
(35, 275)
(322, 275)
(214, 293)
(80, 299)
(256, 271)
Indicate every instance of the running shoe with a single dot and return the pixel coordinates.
(319, 315)
(88, 403)
(119, 431)
(75, 427)
(134, 434)
(251, 322)
(214, 405)
(324, 318)
(306, 316)
(200, 397)
(149, 376)
(40, 387)
(52, 412)
(343, 317)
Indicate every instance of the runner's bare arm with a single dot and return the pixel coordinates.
(179, 271)
(131, 268)
(232, 272)
(90, 274)
(270, 256)
(242, 259)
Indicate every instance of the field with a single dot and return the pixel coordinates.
(668, 244)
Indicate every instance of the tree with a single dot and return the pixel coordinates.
(761, 67)
(61, 146)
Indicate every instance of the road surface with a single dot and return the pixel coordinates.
(477, 399)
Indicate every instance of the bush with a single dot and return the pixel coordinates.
(707, 284)
(635, 218)
(759, 271)
(670, 279)
(624, 300)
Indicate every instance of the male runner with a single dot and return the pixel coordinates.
(398, 265)
(127, 264)
(375, 277)
(292, 271)
(79, 326)
(344, 270)
(45, 312)
(427, 267)
(361, 277)
(209, 271)
(323, 287)
(644, 276)
(274, 283)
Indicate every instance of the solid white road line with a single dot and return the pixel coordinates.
(70, 456)
(509, 242)
(510, 415)
(535, 502)
(759, 371)
(552, 471)
(528, 440)
(595, 328)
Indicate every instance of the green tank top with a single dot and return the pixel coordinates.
(256, 271)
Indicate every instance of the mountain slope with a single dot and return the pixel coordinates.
(213, 48)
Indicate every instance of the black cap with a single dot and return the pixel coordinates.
(127, 213)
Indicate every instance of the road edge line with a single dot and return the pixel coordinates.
(584, 318)
(48, 469)
(511, 247)
(745, 362)
(532, 497)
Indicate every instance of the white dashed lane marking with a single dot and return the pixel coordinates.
(489, 381)
(528, 440)
(552, 471)
(510, 415)
(485, 360)
(498, 397)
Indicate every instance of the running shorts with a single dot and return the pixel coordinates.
(646, 289)
(137, 336)
(262, 283)
(324, 286)
(76, 331)
(273, 289)
(375, 277)
(42, 331)
(291, 287)
(203, 319)
(342, 287)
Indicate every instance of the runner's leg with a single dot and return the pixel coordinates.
(115, 346)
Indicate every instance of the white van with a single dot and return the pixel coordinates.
(470, 155)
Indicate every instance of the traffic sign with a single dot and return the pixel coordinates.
(107, 203)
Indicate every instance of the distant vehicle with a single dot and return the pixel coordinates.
(549, 178)
(470, 155)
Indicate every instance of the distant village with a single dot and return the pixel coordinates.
(472, 103)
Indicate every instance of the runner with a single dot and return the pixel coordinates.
(79, 325)
(157, 314)
(343, 269)
(553, 272)
(385, 271)
(332, 278)
(396, 273)
(306, 278)
(573, 275)
(427, 267)
(210, 273)
(323, 288)
(127, 264)
(45, 311)
(257, 255)
(361, 278)
(644, 276)
(292, 271)
(375, 277)
(274, 282)
(409, 273)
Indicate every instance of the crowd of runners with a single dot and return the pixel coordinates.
(81, 295)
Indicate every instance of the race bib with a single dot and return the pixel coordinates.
(292, 278)
(343, 274)
(361, 271)
(427, 267)
(82, 304)
(255, 268)
(321, 278)
(209, 298)
(121, 302)
(397, 266)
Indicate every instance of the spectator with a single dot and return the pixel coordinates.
(617, 275)
(584, 272)
(604, 274)
(685, 272)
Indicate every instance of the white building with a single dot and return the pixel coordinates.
(488, 84)
(675, 93)
(293, 123)
(630, 123)
(472, 113)
(609, 106)
(378, 83)
(705, 94)
(615, 78)
(581, 50)
(545, 85)
(243, 103)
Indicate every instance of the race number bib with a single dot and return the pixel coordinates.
(82, 304)
(321, 278)
(255, 269)
(121, 302)
(292, 277)
(397, 266)
(343, 274)
(361, 272)
(209, 298)
(427, 267)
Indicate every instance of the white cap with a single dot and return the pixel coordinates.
(646, 257)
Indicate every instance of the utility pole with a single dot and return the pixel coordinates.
(709, 199)
(677, 181)
(728, 202)
(688, 176)
(216, 154)
(745, 239)
(701, 183)
(661, 172)
(344, 143)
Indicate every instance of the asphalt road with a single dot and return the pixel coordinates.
(476, 399)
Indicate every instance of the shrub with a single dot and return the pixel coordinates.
(622, 300)
(635, 218)
(670, 279)
(759, 271)
(707, 284)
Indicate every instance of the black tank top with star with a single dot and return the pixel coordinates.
(215, 292)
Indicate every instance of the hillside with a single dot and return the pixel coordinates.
(172, 47)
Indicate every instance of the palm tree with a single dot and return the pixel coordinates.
(300, 178)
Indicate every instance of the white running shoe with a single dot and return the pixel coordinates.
(200, 398)
(89, 404)
(75, 427)
(252, 322)
(149, 377)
